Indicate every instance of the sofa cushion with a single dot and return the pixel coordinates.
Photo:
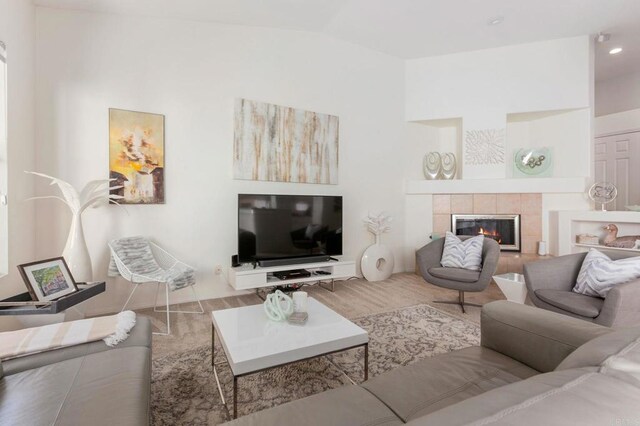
(104, 388)
(348, 405)
(458, 253)
(140, 336)
(455, 274)
(595, 352)
(577, 396)
(579, 304)
(599, 273)
(434, 383)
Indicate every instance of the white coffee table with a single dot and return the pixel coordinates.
(253, 343)
(513, 286)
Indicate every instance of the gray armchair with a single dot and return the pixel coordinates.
(550, 283)
(463, 280)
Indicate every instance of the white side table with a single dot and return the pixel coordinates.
(513, 286)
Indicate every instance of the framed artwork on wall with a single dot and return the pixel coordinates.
(48, 279)
(136, 156)
(282, 144)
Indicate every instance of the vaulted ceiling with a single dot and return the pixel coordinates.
(414, 28)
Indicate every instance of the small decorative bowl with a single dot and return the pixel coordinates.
(635, 208)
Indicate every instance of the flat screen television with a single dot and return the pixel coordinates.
(287, 227)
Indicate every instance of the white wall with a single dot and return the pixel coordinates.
(543, 76)
(567, 133)
(563, 131)
(618, 94)
(17, 30)
(490, 86)
(484, 86)
(618, 122)
(427, 136)
(419, 226)
(191, 72)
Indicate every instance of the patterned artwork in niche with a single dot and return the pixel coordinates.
(483, 147)
(282, 144)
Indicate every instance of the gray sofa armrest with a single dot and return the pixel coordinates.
(140, 335)
(535, 337)
(558, 273)
(621, 306)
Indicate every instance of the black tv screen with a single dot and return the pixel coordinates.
(288, 226)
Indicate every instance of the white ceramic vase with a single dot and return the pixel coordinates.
(432, 165)
(377, 262)
(449, 165)
(76, 253)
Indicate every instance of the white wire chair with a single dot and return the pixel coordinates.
(159, 269)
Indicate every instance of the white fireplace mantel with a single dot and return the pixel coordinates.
(490, 186)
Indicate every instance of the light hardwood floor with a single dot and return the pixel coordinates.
(352, 299)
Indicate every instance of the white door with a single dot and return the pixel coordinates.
(617, 160)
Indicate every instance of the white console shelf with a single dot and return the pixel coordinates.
(569, 224)
(601, 247)
(247, 277)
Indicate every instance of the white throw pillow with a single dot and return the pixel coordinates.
(465, 254)
(599, 273)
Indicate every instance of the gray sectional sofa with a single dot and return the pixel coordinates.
(534, 367)
(89, 384)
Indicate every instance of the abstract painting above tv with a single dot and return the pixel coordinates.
(283, 144)
(136, 156)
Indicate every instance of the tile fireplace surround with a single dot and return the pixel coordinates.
(528, 206)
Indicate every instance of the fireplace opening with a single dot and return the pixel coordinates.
(504, 228)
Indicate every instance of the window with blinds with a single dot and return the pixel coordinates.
(4, 224)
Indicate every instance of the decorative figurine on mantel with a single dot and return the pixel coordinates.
(612, 239)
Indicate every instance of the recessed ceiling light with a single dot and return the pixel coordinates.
(495, 20)
(615, 51)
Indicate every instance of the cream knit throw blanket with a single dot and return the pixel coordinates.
(112, 329)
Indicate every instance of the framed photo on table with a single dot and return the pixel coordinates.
(48, 279)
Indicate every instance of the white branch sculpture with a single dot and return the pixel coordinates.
(93, 194)
(378, 224)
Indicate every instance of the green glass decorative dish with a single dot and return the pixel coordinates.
(533, 161)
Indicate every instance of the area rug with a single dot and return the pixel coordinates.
(184, 392)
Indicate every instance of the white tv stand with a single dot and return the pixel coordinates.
(246, 277)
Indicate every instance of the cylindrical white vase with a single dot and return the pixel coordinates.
(76, 253)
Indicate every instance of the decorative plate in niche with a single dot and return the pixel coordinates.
(533, 162)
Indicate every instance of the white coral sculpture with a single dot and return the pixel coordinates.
(378, 224)
(93, 194)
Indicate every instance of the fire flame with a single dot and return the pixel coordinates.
(491, 234)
